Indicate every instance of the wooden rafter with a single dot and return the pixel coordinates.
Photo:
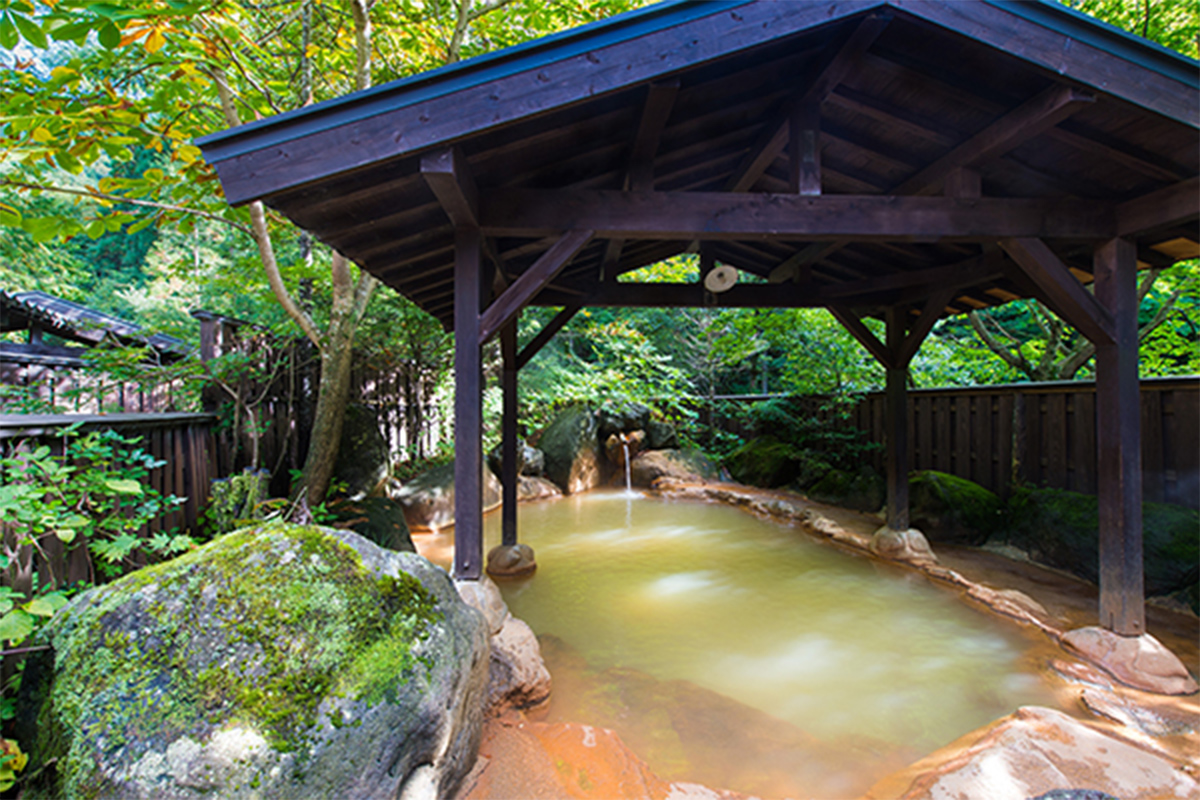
(832, 68)
(1019, 125)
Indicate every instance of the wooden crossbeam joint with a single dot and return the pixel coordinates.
(505, 307)
(832, 68)
(850, 321)
(447, 174)
(1067, 294)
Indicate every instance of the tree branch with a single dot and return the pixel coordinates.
(262, 236)
(95, 194)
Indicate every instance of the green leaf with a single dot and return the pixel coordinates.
(15, 625)
(46, 605)
(8, 32)
(65, 535)
(123, 485)
(30, 30)
(110, 35)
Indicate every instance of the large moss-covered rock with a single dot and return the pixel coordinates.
(363, 458)
(688, 466)
(1061, 528)
(953, 510)
(861, 491)
(428, 499)
(275, 662)
(572, 450)
(763, 461)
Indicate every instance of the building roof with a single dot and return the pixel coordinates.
(654, 129)
(77, 323)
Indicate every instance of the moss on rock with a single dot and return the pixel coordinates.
(953, 510)
(278, 631)
(763, 461)
(1061, 528)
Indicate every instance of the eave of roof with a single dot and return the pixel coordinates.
(623, 27)
(455, 77)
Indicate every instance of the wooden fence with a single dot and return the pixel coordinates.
(1041, 434)
(184, 441)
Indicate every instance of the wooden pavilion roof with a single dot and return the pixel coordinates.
(936, 141)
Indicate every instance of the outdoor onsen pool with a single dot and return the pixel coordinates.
(840, 646)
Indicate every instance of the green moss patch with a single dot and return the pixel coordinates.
(257, 628)
(947, 508)
(1061, 528)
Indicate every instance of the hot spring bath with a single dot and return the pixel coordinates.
(836, 644)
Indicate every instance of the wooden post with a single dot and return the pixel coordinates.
(1118, 449)
(468, 407)
(508, 469)
(896, 413)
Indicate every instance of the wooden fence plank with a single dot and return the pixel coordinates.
(1083, 443)
(1054, 428)
(1153, 467)
(1002, 444)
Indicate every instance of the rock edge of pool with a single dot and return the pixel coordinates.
(1106, 739)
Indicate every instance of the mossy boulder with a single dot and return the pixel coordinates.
(379, 519)
(763, 461)
(1061, 528)
(363, 458)
(860, 491)
(275, 662)
(953, 510)
(572, 450)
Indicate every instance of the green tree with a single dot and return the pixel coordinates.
(150, 77)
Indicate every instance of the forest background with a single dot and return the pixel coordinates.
(105, 200)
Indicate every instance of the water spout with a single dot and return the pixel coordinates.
(628, 474)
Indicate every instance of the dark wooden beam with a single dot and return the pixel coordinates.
(1113, 150)
(687, 216)
(970, 272)
(468, 409)
(1179, 202)
(611, 260)
(1019, 125)
(1067, 294)
(1118, 444)
(931, 312)
(796, 267)
(530, 282)
(545, 335)
(509, 474)
(683, 295)
(832, 68)
(449, 176)
(660, 99)
(896, 423)
(804, 149)
(862, 333)
(893, 116)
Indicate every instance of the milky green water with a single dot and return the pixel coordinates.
(763, 613)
